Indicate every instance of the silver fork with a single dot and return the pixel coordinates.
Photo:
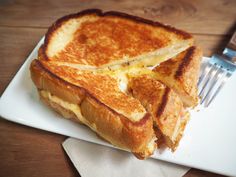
(216, 72)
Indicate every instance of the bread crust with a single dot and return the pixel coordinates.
(46, 80)
(188, 71)
(109, 124)
(117, 129)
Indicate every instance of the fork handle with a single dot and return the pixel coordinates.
(230, 50)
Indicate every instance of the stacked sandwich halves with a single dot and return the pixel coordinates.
(94, 68)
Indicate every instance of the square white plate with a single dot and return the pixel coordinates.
(209, 141)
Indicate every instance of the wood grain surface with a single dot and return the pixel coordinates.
(26, 151)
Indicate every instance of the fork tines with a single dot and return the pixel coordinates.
(213, 76)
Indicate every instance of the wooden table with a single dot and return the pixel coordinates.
(26, 151)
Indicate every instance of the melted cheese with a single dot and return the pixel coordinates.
(66, 105)
(77, 111)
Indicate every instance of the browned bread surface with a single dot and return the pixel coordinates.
(181, 73)
(94, 38)
(164, 105)
(112, 126)
(134, 135)
(102, 87)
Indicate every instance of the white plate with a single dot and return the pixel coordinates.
(209, 141)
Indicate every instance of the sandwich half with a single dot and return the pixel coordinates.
(92, 39)
(96, 101)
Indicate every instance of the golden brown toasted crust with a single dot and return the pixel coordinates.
(66, 113)
(181, 74)
(148, 91)
(46, 80)
(163, 104)
(142, 154)
(102, 87)
(118, 130)
(130, 36)
(98, 12)
(109, 124)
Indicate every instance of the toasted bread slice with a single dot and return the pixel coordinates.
(93, 39)
(181, 74)
(96, 101)
(165, 107)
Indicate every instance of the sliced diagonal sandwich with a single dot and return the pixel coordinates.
(164, 105)
(93, 39)
(96, 101)
(82, 72)
(181, 74)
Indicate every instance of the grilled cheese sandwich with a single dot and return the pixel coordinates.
(86, 68)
